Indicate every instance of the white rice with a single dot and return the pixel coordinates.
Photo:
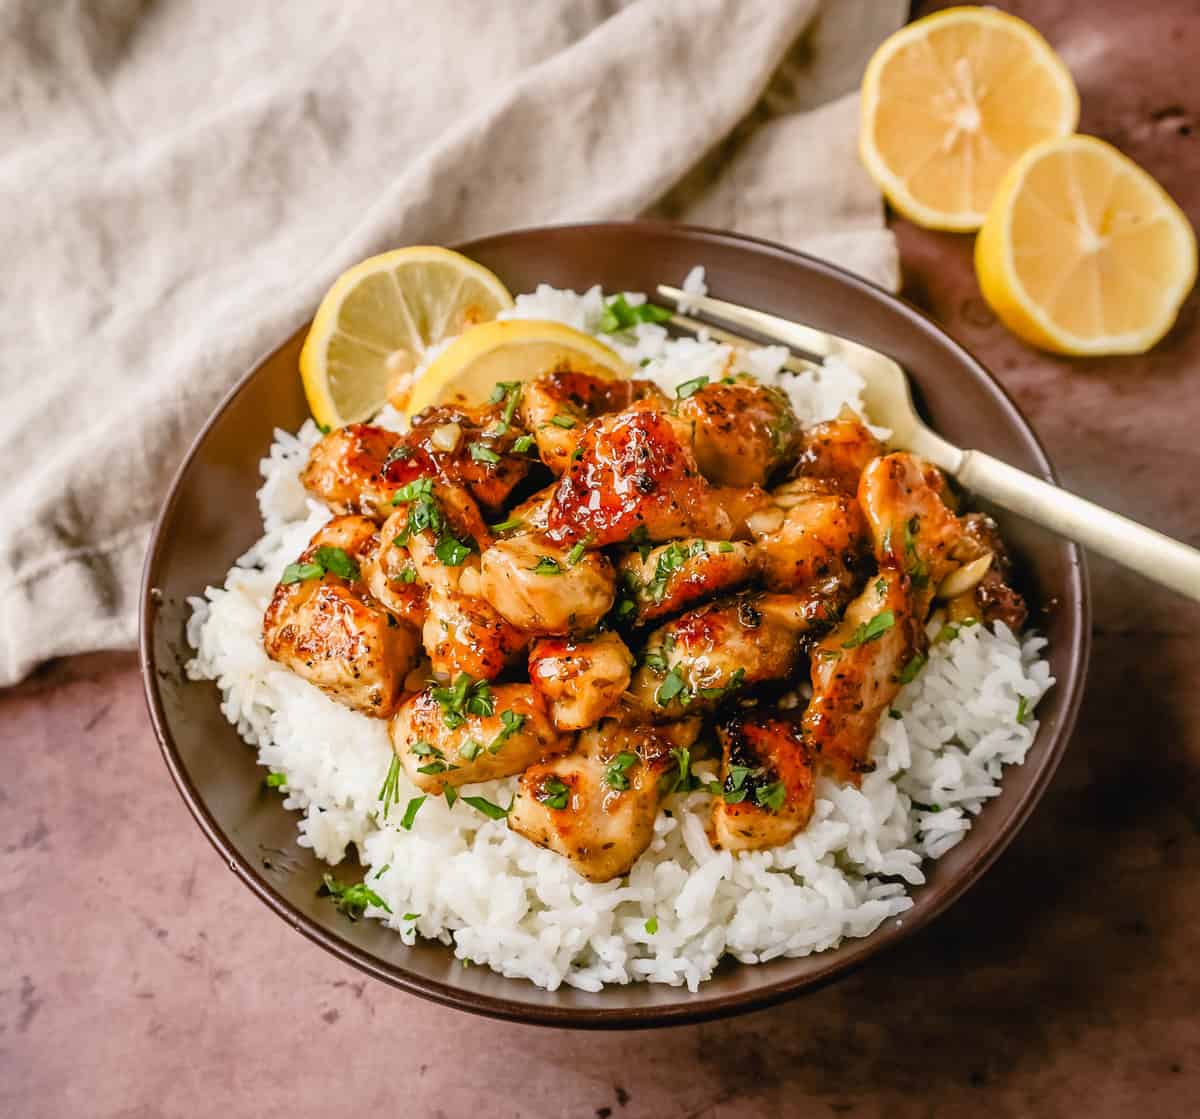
(502, 902)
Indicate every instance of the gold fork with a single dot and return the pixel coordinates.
(889, 403)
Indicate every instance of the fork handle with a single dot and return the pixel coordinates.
(1141, 549)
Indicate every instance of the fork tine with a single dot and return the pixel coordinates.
(684, 322)
(796, 335)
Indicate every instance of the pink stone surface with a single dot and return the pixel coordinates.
(138, 978)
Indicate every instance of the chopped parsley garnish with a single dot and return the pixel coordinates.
(736, 678)
(725, 546)
(480, 453)
(276, 780)
(626, 607)
(512, 723)
(565, 422)
(462, 698)
(351, 900)
(655, 660)
(510, 393)
(894, 714)
(324, 429)
(866, 632)
(652, 925)
(615, 773)
(389, 793)
(670, 560)
(470, 750)
(640, 539)
(326, 560)
(770, 796)
(523, 443)
(683, 779)
(576, 553)
(451, 551)
(408, 575)
(553, 793)
(411, 491)
(619, 315)
(948, 632)
(690, 388)
(451, 795)
(490, 810)
(382, 871)
(917, 568)
(507, 526)
(501, 389)
(434, 768)
(1022, 709)
(410, 916)
(423, 749)
(547, 566)
(410, 813)
(577, 454)
(881, 586)
(671, 687)
(909, 672)
(398, 453)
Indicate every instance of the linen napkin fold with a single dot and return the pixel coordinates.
(180, 182)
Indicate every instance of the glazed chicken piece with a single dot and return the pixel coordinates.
(391, 576)
(473, 447)
(980, 587)
(580, 680)
(345, 470)
(464, 633)
(546, 588)
(705, 656)
(466, 733)
(658, 582)
(903, 499)
(767, 781)
(556, 408)
(744, 431)
(441, 528)
(636, 476)
(597, 805)
(322, 624)
(837, 452)
(879, 646)
(814, 543)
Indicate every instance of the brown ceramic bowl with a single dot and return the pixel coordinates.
(210, 518)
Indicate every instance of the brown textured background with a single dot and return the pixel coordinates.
(138, 978)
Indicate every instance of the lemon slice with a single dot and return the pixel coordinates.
(1082, 252)
(512, 350)
(950, 102)
(379, 319)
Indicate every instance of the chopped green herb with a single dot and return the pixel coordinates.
(351, 900)
(669, 688)
(299, 572)
(737, 776)
(565, 422)
(423, 749)
(652, 925)
(690, 388)
(276, 780)
(553, 793)
(501, 389)
(337, 562)
(577, 454)
(480, 453)
(451, 795)
(411, 810)
(470, 750)
(881, 586)
(408, 575)
(683, 779)
(619, 315)
(434, 768)
(948, 632)
(894, 714)
(917, 568)
(507, 526)
(770, 796)
(655, 660)
(490, 810)
(523, 443)
(909, 672)
(389, 793)
(736, 679)
(670, 560)
(926, 807)
(546, 566)
(324, 429)
(382, 871)
(512, 723)
(1022, 709)
(626, 607)
(398, 453)
(451, 552)
(640, 538)
(464, 697)
(725, 546)
(615, 773)
(576, 553)
(410, 916)
(866, 632)
(418, 487)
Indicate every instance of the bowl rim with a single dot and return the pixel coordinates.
(697, 1007)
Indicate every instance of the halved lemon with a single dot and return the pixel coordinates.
(1083, 252)
(950, 102)
(511, 350)
(379, 319)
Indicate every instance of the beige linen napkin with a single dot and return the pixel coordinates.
(179, 182)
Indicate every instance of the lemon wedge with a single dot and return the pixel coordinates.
(950, 102)
(1083, 252)
(380, 318)
(511, 350)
